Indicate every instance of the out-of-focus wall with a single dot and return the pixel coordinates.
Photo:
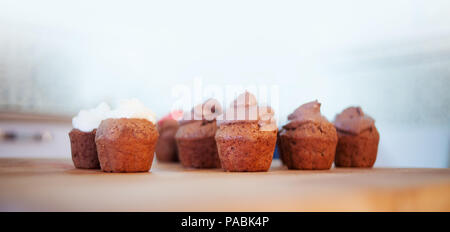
(390, 57)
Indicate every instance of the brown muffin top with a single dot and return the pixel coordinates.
(245, 109)
(167, 128)
(167, 124)
(201, 121)
(78, 132)
(311, 129)
(353, 120)
(140, 129)
(251, 130)
(197, 130)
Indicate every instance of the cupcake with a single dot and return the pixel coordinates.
(308, 140)
(82, 137)
(126, 141)
(166, 148)
(358, 139)
(246, 136)
(195, 136)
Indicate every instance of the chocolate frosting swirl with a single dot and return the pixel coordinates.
(208, 111)
(353, 120)
(308, 112)
(245, 109)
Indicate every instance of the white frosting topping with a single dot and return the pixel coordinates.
(133, 108)
(88, 120)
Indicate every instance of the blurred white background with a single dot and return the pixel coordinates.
(390, 57)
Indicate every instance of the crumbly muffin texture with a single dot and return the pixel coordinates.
(197, 129)
(309, 146)
(357, 150)
(126, 144)
(197, 146)
(243, 147)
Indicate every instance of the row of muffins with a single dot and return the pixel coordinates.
(308, 141)
(241, 138)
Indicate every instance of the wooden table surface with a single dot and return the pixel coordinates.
(55, 185)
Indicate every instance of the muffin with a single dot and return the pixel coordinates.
(358, 139)
(166, 147)
(278, 147)
(126, 141)
(84, 151)
(195, 136)
(246, 136)
(308, 140)
(82, 137)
